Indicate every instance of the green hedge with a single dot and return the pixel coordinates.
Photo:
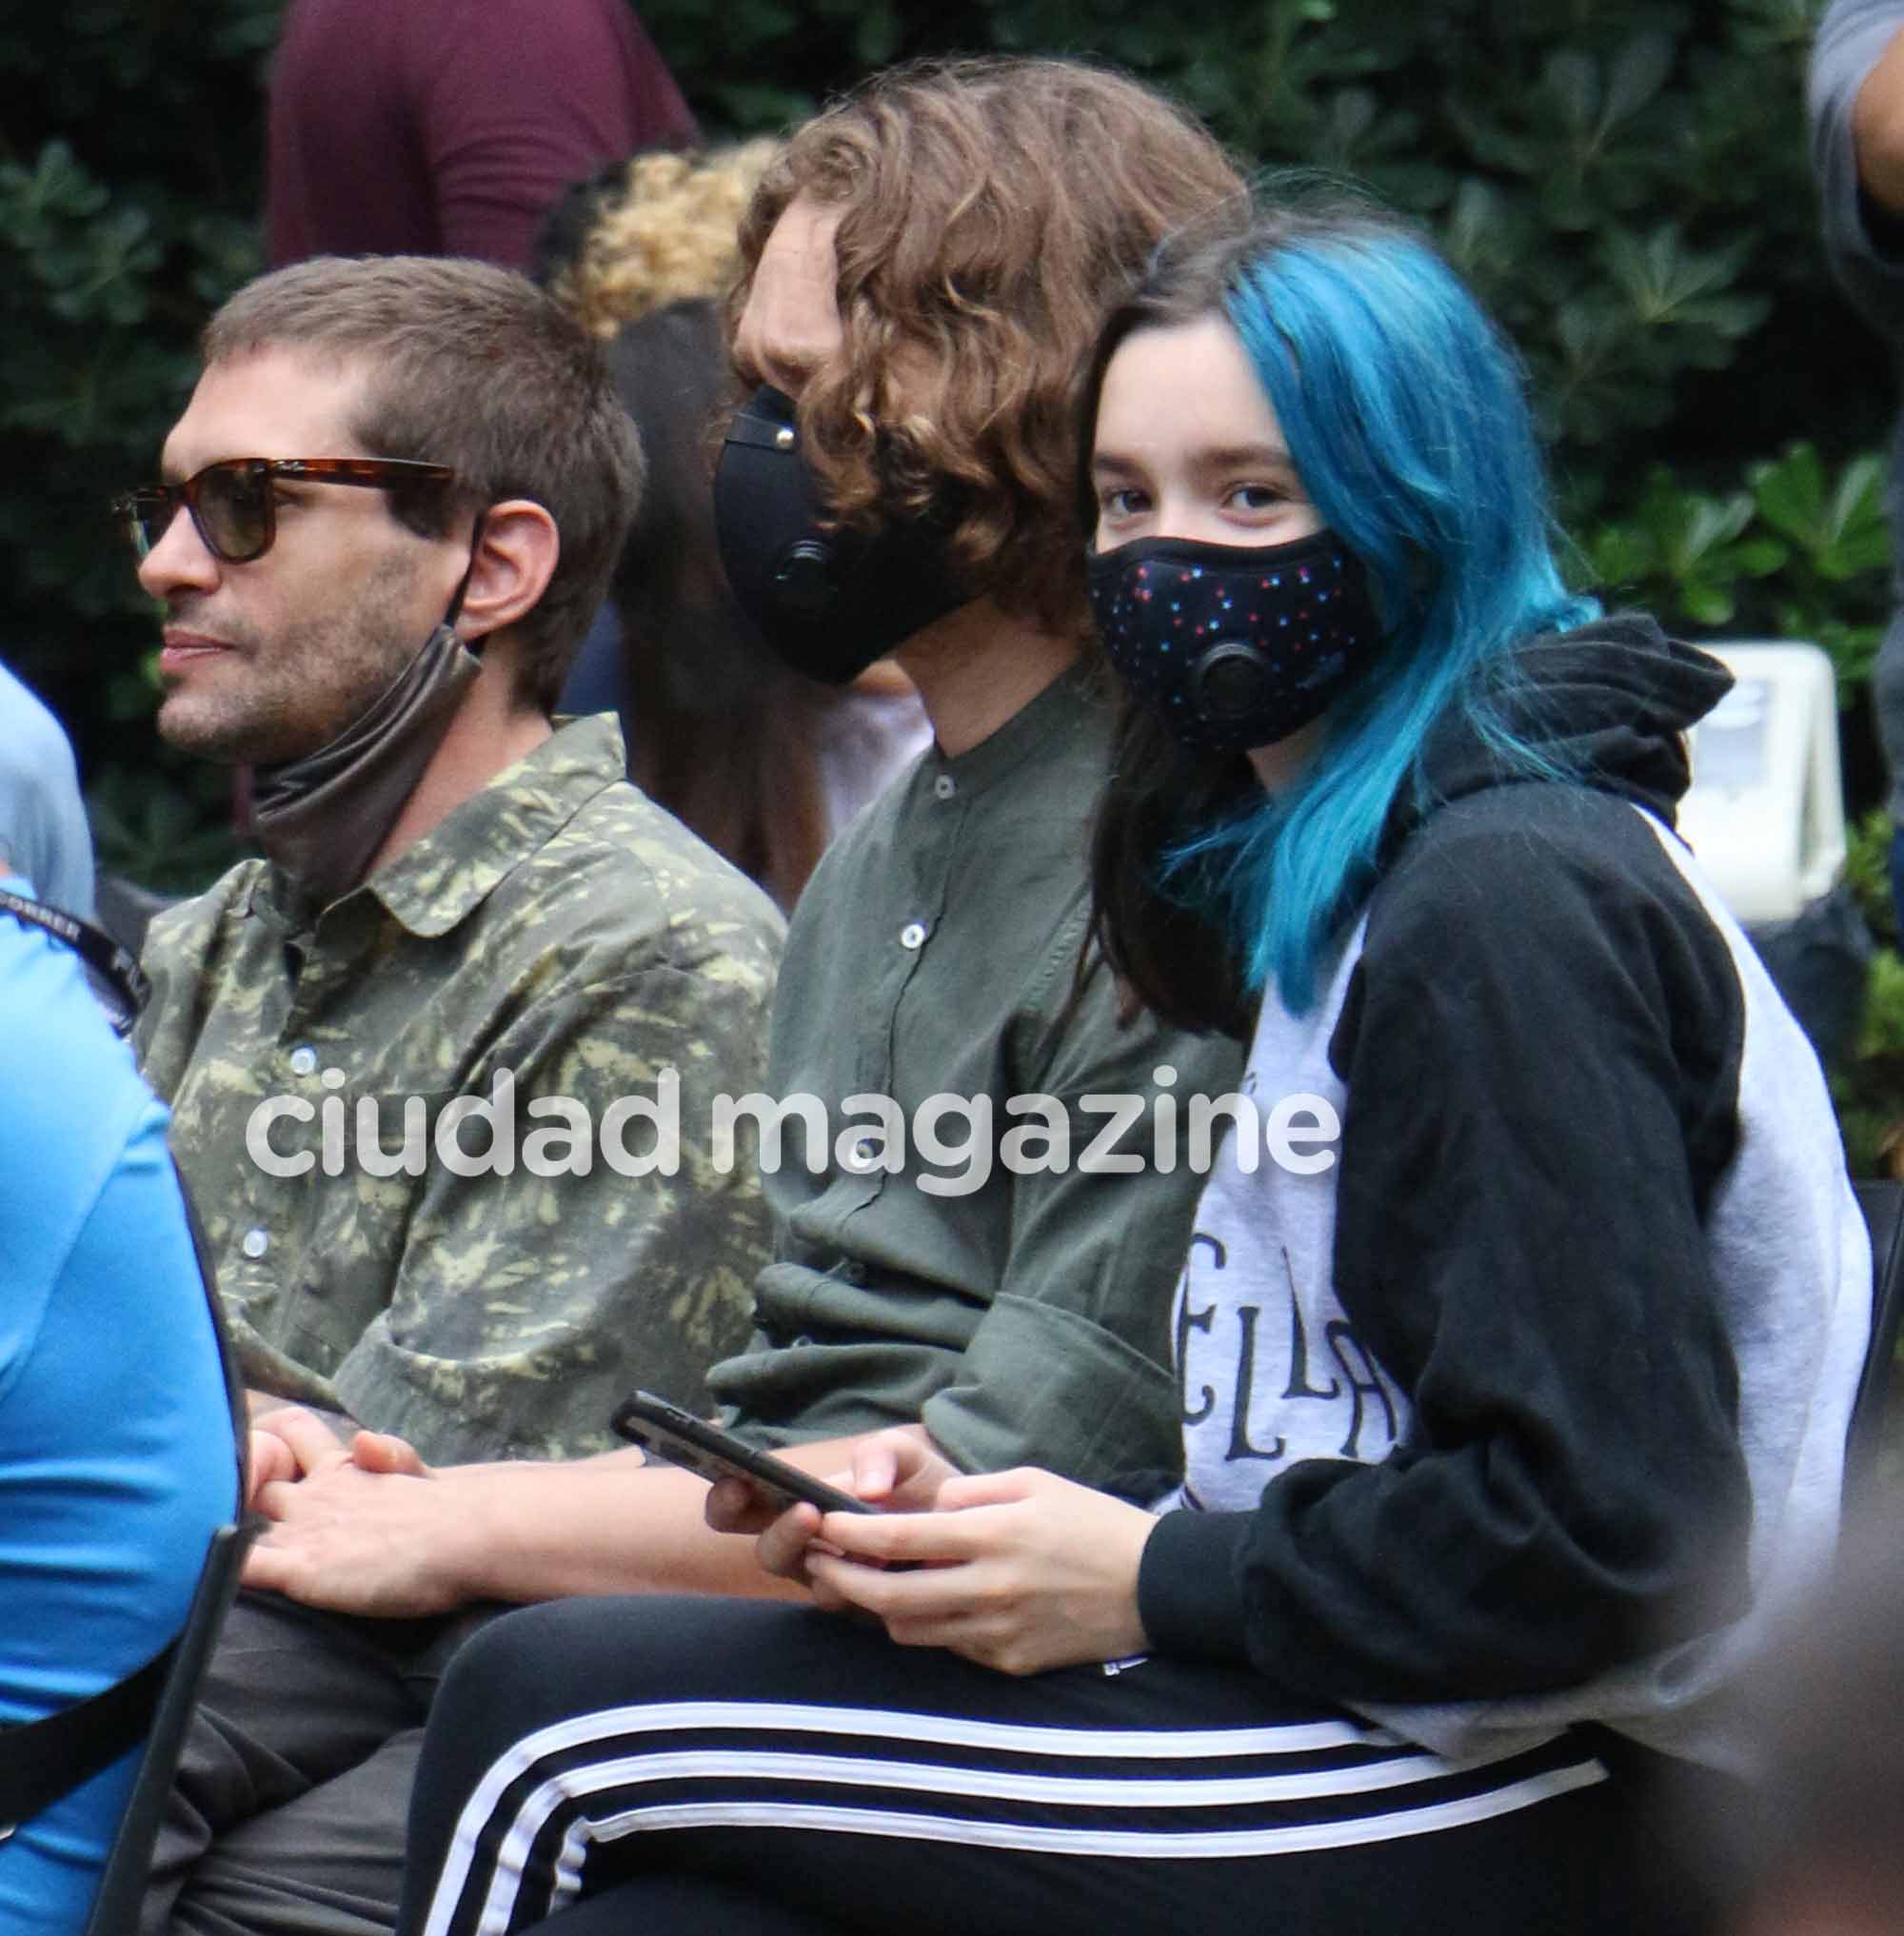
(130, 163)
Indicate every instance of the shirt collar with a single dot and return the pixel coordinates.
(440, 879)
(1035, 730)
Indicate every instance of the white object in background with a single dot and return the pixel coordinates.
(1765, 814)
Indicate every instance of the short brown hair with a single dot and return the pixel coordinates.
(994, 213)
(470, 365)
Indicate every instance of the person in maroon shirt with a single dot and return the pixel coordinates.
(452, 126)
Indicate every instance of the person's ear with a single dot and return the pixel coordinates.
(514, 559)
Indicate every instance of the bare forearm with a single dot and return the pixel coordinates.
(593, 1526)
(609, 1525)
(376, 1532)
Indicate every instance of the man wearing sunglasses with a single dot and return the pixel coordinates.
(385, 521)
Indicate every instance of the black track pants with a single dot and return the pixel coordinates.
(696, 1765)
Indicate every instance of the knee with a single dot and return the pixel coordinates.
(537, 1665)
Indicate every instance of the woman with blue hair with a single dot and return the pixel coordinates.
(1519, 1331)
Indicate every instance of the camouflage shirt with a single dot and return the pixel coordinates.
(556, 935)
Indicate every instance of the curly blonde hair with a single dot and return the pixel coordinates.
(667, 233)
(994, 212)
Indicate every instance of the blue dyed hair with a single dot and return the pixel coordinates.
(1405, 414)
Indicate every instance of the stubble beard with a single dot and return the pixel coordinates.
(293, 695)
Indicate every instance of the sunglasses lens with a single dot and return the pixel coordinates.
(234, 510)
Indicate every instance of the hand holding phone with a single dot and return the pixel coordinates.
(680, 1438)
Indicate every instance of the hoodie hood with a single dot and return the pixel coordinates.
(1609, 704)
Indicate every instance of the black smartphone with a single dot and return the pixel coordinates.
(684, 1440)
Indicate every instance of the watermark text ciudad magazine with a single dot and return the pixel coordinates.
(951, 1143)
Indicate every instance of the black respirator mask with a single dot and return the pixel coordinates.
(829, 602)
(1234, 645)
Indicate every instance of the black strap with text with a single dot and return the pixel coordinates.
(116, 964)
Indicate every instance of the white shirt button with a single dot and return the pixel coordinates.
(912, 934)
(256, 1243)
(945, 786)
(303, 1061)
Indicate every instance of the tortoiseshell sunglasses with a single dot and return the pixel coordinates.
(232, 504)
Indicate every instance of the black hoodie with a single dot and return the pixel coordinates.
(1514, 1289)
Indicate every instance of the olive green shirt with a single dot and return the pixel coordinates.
(560, 930)
(934, 952)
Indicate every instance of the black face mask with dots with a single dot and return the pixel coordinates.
(1234, 645)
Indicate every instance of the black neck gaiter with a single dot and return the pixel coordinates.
(323, 818)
